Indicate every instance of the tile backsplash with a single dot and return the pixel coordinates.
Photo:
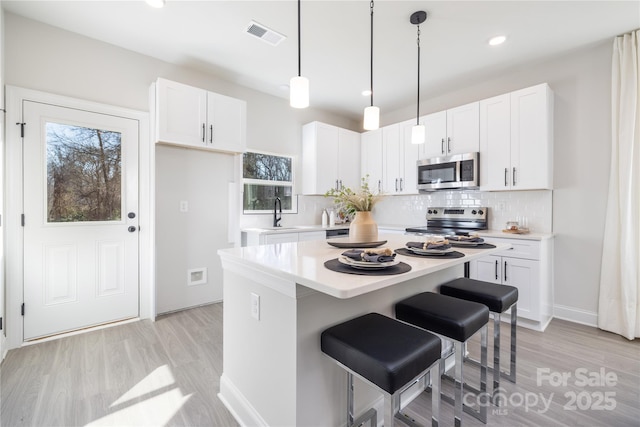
(534, 207)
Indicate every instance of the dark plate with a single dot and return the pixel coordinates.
(355, 245)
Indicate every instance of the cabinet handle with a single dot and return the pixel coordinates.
(496, 269)
(203, 132)
(514, 177)
(379, 185)
(337, 188)
(442, 146)
(505, 272)
(401, 184)
(211, 134)
(448, 145)
(341, 185)
(396, 184)
(506, 177)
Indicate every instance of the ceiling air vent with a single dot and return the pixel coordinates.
(265, 34)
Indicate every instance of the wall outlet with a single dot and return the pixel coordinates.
(502, 206)
(184, 206)
(255, 306)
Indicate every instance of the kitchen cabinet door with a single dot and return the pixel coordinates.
(487, 269)
(181, 114)
(463, 129)
(391, 158)
(495, 143)
(226, 123)
(410, 156)
(532, 138)
(349, 159)
(524, 274)
(371, 158)
(435, 135)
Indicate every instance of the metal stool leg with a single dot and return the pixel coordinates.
(496, 357)
(512, 365)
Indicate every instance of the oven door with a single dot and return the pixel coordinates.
(445, 173)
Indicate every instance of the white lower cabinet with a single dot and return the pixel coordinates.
(526, 266)
(267, 239)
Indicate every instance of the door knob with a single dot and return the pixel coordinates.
(131, 229)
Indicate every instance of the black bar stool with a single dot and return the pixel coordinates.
(389, 355)
(498, 298)
(457, 320)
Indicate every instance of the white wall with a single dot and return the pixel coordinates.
(48, 59)
(581, 82)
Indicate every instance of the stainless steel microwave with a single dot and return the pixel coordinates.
(459, 171)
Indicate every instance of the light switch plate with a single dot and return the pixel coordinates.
(255, 306)
(184, 206)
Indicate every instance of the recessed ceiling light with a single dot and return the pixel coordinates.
(155, 3)
(495, 41)
(366, 92)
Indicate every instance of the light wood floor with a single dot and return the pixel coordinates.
(167, 374)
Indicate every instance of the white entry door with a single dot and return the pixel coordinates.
(80, 219)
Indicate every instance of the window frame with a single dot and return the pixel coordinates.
(268, 183)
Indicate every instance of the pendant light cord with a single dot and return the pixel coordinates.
(299, 62)
(371, 70)
(418, 103)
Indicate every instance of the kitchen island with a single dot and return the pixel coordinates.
(278, 299)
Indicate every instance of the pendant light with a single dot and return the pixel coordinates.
(418, 131)
(371, 113)
(299, 86)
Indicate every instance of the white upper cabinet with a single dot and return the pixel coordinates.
(399, 159)
(454, 131)
(516, 140)
(194, 117)
(371, 158)
(330, 158)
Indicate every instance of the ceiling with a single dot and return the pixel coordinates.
(211, 36)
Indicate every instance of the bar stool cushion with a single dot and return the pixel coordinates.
(497, 297)
(386, 352)
(452, 317)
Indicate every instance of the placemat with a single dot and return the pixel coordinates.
(481, 246)
(335, 265)
(407, 252)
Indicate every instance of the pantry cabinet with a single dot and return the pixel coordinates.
(454, 131)
(516, 140)
(196, 118)
(330, 158)
(526, 266)
(371, 158)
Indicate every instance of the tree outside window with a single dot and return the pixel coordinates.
(266, 177)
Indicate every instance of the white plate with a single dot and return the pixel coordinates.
(430, 251)
(366, 264)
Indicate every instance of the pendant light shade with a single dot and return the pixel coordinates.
(371, 113)
(299, 86)
(418, 132)
(299, 92)
(371, 118)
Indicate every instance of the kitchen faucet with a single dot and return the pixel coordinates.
(277, 206)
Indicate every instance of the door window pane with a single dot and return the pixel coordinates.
(83, 174)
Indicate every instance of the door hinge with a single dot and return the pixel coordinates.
(21, 129)
(22, 219)
(22, 309)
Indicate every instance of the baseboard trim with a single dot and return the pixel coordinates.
(575, 315)
(238, 405)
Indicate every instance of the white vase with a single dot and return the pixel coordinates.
(363, 228)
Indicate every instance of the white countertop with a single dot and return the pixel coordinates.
(303, 263)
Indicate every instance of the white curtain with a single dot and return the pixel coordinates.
(619, 308)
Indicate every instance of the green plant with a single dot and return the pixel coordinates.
(349, 201)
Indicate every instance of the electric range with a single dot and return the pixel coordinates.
(453, 221)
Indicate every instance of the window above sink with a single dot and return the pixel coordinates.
(266, 176)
